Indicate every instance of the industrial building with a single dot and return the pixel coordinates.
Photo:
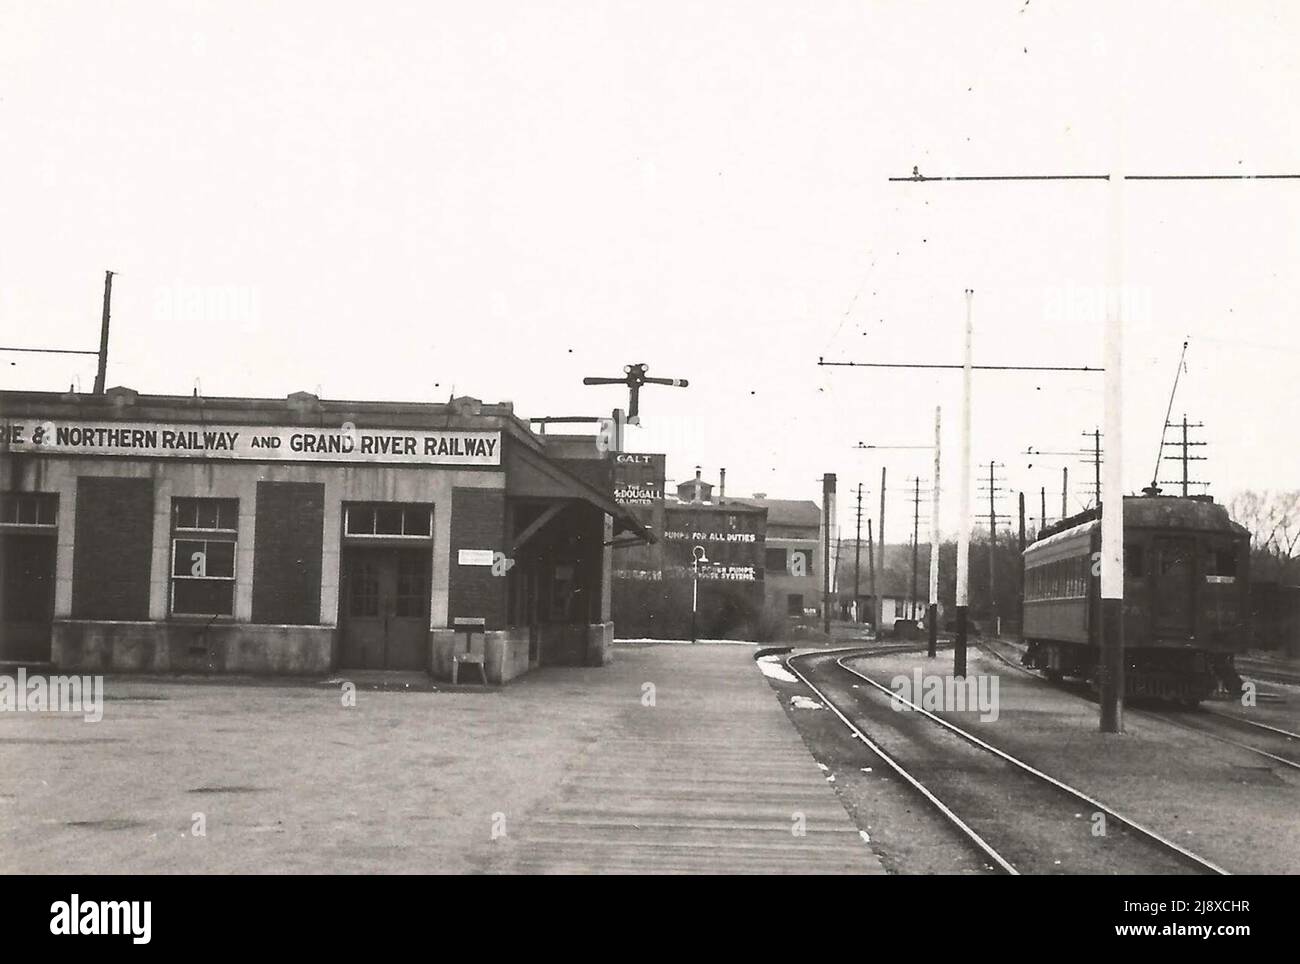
(297, 535)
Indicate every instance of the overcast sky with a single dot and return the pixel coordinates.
(395, 201)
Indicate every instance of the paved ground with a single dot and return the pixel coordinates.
(566, 769)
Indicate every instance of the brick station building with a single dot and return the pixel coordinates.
(297, 535)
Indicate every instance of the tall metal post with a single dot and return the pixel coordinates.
(963, 501)
(857, 561)
(880, 564)
(871, 573)
(828, 512)
(1020, 598)
(916, 544)
(934, 545)
(1112, 508)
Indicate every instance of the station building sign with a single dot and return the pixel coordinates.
(638, 478)
(296, 443)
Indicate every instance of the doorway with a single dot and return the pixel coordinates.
(1173, 578)
(384, 608)
(26, 596)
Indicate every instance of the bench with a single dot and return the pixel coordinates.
(470, 626)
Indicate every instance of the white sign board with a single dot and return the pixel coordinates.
(475, 557)
(346, 443)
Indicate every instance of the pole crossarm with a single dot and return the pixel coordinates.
(50, 351)
(821, 362)
(918, 178)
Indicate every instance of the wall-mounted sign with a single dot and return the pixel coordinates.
(638, 478)
(474, 557)
(255, 442)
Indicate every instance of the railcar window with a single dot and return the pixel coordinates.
(1220, 562)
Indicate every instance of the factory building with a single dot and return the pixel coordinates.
(297, 535)
(793, 559)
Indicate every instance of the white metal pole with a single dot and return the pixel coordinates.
(1112, 513)
(963, 496)
(934, 541)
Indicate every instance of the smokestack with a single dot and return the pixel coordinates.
(722, 484)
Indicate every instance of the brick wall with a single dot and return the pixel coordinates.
(477, 522)
(113, 548)
(287, 552)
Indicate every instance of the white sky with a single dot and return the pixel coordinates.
(380, 200)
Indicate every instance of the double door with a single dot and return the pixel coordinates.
(385, 608)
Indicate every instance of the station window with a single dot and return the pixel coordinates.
(389, 519)
(35, 509)
(204, 538)
(794, 604)
(1134, 562)
(774, 560)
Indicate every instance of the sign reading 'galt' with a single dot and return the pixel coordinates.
(296, 443)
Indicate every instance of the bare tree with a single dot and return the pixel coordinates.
(1273, 520)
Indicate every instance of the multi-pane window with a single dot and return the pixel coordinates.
(204, 538)
(412, 584)
(35, 509)
(390, 519)
(363, 589)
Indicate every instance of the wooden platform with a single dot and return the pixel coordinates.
(711, 778)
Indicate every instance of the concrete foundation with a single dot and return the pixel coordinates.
(170, 647)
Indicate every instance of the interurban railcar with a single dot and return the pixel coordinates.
(1186, 585)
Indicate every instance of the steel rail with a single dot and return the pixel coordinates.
(1078, 794)
(1181, 724)
(969, 832)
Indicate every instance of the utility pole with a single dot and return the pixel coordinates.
(994, 516)
(857, 559)
(1019, 595)
(828, 514)
(1096, 461)
(101, 374)
(1065, 492)
(916, 536)
(1112, 523)
(1042, 495)
(1186, 457)
(880, 565)
(934, 545)
(871, 571)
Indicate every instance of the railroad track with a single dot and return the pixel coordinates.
(1006, 809)
(1282, 740)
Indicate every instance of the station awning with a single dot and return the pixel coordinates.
(531, 475)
